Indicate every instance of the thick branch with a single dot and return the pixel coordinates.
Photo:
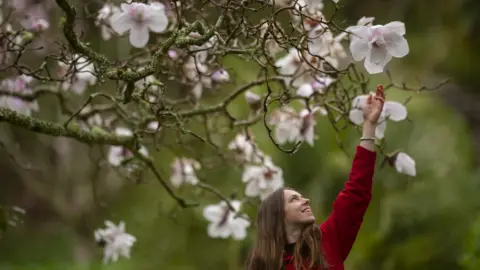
(58, 130)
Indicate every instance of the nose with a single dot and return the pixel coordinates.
(306, 201)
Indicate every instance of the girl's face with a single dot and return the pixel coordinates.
(297, 208)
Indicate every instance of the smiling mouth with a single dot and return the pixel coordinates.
(307, 210)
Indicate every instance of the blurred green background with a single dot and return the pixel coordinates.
(431, 221)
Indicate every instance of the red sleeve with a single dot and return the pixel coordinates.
(344, 222)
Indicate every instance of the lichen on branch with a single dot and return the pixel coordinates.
(58, 130)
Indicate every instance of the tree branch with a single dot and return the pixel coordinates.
(58, 130)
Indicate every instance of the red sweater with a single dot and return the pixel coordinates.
(340, 229)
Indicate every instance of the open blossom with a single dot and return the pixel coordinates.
(307, 127)
(289, 65)
(262, 179)
(220, 76)
(19, 85)
(297, 67)
(253, 100)
(245, 148)
(183, 171)
(324, 44)
(201, 52)
(291, 126)
(224, 222)
(318, 85)
(103, 20)
(392, 110)
(287, 125)
(405, 164)
(117, 154)
(139, 19)
(38, 25)
(115, 240)
(78, 76)
(378, 44)
(196, 72)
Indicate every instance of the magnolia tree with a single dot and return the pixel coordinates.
(308, 68)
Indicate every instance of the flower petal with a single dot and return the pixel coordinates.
(395, 111)
(359, 48)
(213, 213)
(356, 116)
(139, 35)
(239, 228)
(397, 27)
(360, 31)
(121, 22)
(125, 7)
(405, 164)
(376, 60)
(359, 101)
(396, 44)
(158, 21)
(305, 90)
(252, 189)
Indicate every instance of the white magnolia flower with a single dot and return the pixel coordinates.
(291, 126)
(405, 164)
(139, 19)
(324, 44)
(172, 54)
(104, 18)
(19, 85)
(307, 127)
(287, 125)
(392, 110)
(183, 171)
(363, 21)
(245, 148)
(201, 51)
(153, 126)
(318, 85)
(224, 222)
(77, 76)
(118, 154)
(262, 179)
(196, 72)
(271, 45)
(378, 44)
(115, 240)
(253, 100)
(289, 65)
(39, 25)
(221, 76)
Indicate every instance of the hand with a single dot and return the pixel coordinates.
(374, 106)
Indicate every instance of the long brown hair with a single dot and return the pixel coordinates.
(267, 253)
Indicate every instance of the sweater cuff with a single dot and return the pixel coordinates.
(363, 152)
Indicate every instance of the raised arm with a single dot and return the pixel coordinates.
(340, 230)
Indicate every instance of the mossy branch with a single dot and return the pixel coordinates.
(78, 46)
(58, 130)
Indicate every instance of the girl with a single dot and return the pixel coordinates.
(288, 237)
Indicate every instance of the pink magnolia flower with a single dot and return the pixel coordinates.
(139, 19)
